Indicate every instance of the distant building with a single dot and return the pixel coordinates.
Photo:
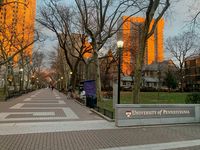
(17, 20)
(130, 34)
(154, 74)
(192, 73)
(127, 82)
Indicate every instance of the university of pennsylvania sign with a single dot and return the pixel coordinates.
(129, 114)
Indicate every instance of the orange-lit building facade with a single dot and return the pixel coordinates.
(17, 19)
(130, 34)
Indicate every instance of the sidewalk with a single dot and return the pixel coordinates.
(127, 138)
(47, 120)
(44, 105)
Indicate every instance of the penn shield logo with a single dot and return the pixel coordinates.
(128, 114)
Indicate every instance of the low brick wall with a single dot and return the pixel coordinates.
(151, 114)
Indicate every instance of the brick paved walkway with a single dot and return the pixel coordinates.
(47, 120)
(43, 105)
(100, 139)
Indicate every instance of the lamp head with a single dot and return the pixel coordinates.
(120, 44)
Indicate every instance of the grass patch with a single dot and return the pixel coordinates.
(147, 98)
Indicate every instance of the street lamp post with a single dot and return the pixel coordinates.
(58, 84)
(119, 46)
(37, 81)
(21, 79)
(70, 77)
(33, 82)
(61, 78)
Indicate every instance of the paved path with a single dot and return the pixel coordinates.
(47, 120)
(44, 105)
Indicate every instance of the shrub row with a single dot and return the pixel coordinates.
(193, 98)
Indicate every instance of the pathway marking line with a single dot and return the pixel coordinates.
(60, 126)
(57, 107)
(33, 95)
(17, 106)
(27, 99)
(69, 114)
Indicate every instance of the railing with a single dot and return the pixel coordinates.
(13, 93)
(105, 112)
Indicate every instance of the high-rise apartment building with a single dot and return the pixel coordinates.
(17, 20)
(130, 34)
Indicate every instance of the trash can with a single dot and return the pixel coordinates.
(91, 101)
(88, 101)
(90, 92)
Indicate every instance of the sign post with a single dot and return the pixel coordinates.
(115, 92)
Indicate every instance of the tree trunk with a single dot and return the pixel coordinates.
(138, 69)
(86, 71)
(74, 75)
(137, 81)
(27, 83)
(181, 74)
(5, 82)
(22, 79)
(181, 85)
(98, 78)
(14, 81)
(73, 80)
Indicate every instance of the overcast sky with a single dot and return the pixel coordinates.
(176, 21)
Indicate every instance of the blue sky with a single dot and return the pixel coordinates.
(175, 21)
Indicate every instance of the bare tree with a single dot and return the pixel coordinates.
(154, 12)
(12, 34)
(35, 69)
(72, 40)
(100, 19)
(38, 61)
(194, 13)
(181, 47)
(14, 50)
(57, 65)
(108, 63)
(11, 47)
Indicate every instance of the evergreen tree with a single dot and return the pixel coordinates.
(170, 80)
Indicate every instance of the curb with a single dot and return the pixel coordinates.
(103, 116)
(78, 102)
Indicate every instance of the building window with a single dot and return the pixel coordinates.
(198, 62)
(192, 63)
(198, 78)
